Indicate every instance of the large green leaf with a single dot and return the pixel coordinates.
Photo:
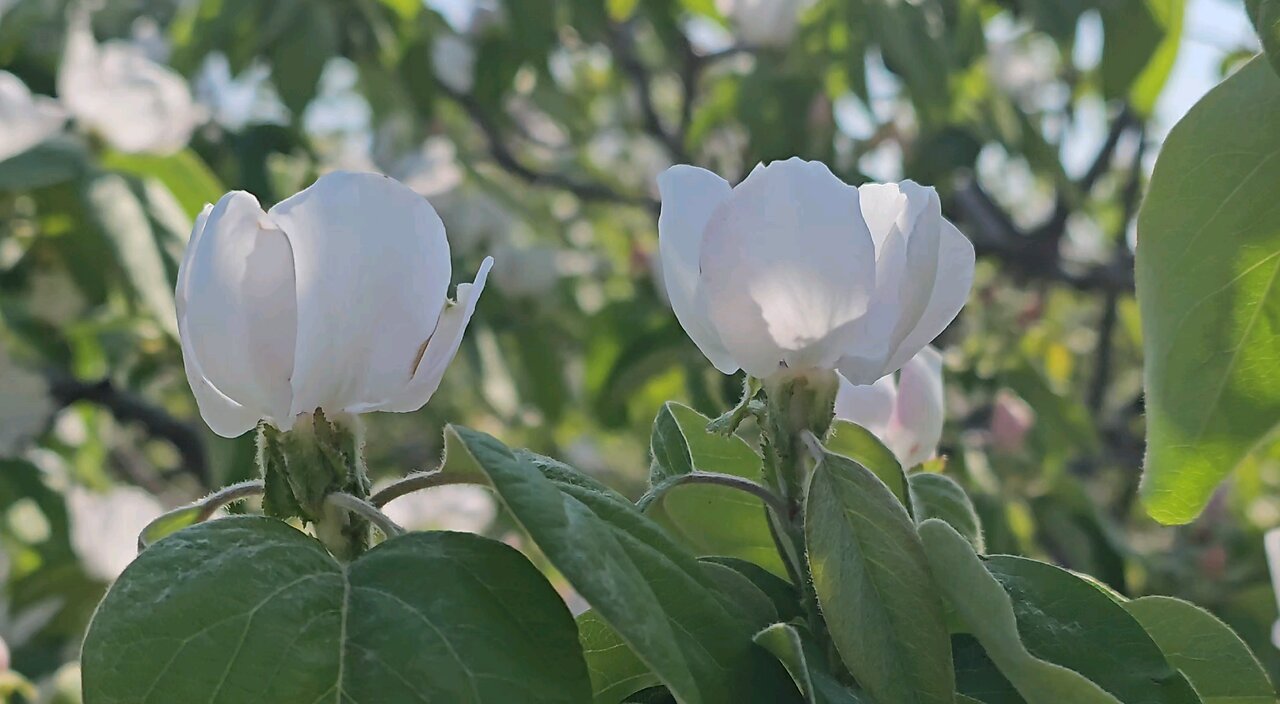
(1146, 88)
(122, 219)
(984, 609)
(709, 520)
(653, 593)
(1207, 269)
(1265, 15)
(248, 609)
(1063, 619)
(862, 446)
(803, 660)
(46, 164)
(188, 178)
(1219, 664)
(873, 584)
(938, 496)
(616, 671)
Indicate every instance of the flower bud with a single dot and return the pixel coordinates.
(334, 299)
(793, 268)
(1011, 420)
(907, 415)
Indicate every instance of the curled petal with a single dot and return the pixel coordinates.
(237, 316)
(788, 267)
(372, 266)
(441, 347)
(689, 196)
(941, 290)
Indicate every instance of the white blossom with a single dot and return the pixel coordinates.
(793, 268)
(25, 119)
(336, 299)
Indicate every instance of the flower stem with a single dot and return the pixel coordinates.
(417, 481)
(368, 511)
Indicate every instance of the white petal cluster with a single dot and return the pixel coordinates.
(25, 119)
(117, 91)
(793, 268)
(906, 414)
(336, 298)
(763, 23)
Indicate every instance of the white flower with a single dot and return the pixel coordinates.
(794, 268)
(25, 405)
(454, 61)
(105, 527)
(769, 23)
(25, 119)
(462, 507)
(336, 298)
(907, 416)
(114, 89)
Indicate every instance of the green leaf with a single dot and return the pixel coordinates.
(801, 660)
(196, 512)
(709, 520)
(681, 444)
(1207, 272)
(985, 610)
(616, 671)
(122, 219)
(653, 593)
(862, 446)
(873, 584)
(1146, 88)
(1265, 15)
(186, 176)
(299, 55)
(1132, 35)
(1219, 665)
(1062, 618)
(783, 595)
(939, 496)
(46, 164)
(248, 609)
(741, 594)
(621, 10)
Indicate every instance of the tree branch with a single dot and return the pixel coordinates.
(624, 52)
(128, 408)
(505, 158)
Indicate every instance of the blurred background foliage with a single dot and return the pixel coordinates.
(536, 128)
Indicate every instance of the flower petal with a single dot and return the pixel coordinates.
(689, 196)
(916, 426)
(372, 266)
(868, 405)
(940, 287)
(25, 119)
(788, 266)
(237, 316)
(440, 349)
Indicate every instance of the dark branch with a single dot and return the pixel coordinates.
(505, 158)
(128, 408)
(624, 52)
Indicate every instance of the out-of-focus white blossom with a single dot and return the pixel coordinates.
(25, 119)
(769, 23)
(105, 526)
(115, 90)
(795, 269)
(454, 61)
(906, 414)
(1011, 419)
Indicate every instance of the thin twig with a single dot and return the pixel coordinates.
(127, 407)
(417, 481)
(624, 52)
(715, 478)
(366, 510)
